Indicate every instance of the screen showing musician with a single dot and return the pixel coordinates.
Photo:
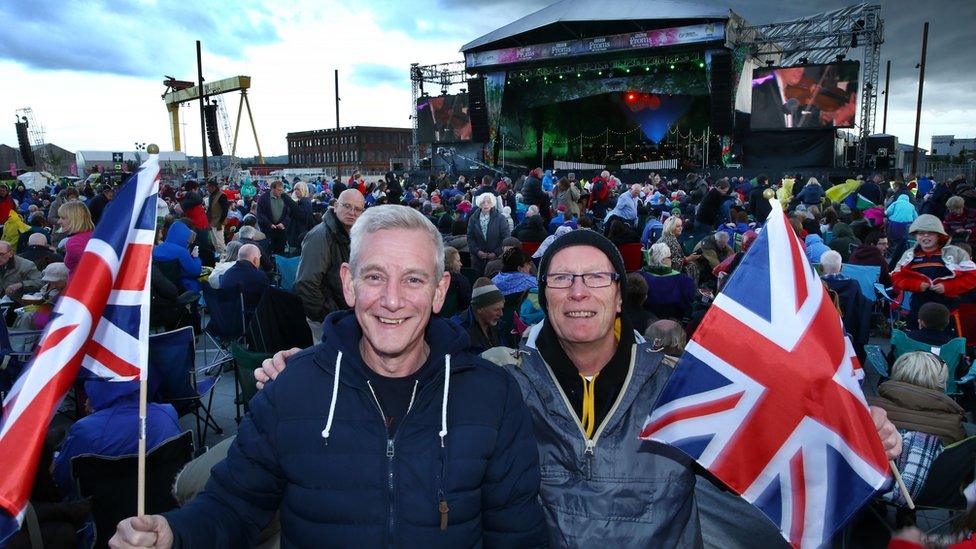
(443, 119)
(804, 97)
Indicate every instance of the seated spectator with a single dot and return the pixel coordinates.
(652, 231)
(855, 309)
(669, 292)
(843, 241)
(668, 336)
(38, 251)
(17, 274)
(620, 233)
(915, 401)
(815, 248)
(176, 247)
(532, 228)
(516, 275)
(729, 264)
(872, 252)
(112, 428)
(494, 266)
(633, 302)
(228, 259)
(251, 235)
(246, 275)
(712, 251)
(933, 324)
(481, 318)
(36, 312)
(75, 221)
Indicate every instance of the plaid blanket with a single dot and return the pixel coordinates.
(918, 452)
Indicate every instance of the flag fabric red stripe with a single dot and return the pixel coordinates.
(134, 268)
(720, 405)
(799, 498)
(110, 360)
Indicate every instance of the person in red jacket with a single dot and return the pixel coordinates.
(924, 272)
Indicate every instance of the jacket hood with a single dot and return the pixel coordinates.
(178, 234)
(903, 198)
(102, 394)
(342, 330)
(866, 252)
(812, 239)
(842, 230)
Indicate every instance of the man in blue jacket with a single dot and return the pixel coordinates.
(385, 434)
(176, 247)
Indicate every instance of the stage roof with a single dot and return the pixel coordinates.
(568, 12)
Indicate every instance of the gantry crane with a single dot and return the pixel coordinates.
(182, 91)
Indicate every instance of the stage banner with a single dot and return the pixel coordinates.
(494, 91)
(658, 38)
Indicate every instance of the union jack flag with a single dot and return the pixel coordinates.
(100, 324)
(766, 396)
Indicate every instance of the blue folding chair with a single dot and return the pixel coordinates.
(172, 362)
(875, 370)
(287, 269)
(866, 277)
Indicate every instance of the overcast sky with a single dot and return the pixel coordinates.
(92, 70)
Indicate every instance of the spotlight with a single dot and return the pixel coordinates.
(578, 75)
(600, 73)
(647, 68)
(701, 64)
(560, 77)
(672, 66)
(627, 70)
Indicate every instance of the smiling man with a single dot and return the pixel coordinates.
(386, 434)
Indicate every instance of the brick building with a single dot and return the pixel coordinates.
(366, 149)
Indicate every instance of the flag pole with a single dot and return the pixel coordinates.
(143, 396)
(901, 484)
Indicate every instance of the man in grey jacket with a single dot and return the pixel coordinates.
(17, 274)
(324, 249)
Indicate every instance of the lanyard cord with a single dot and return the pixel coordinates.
(589, 405)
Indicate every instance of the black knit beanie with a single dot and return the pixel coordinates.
(581, 237)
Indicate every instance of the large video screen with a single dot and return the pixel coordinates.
(443, 118)
(804, 97)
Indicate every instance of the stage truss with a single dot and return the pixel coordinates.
(823, 38)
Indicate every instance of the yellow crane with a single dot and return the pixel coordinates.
(182, 91)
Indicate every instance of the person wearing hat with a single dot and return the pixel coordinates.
(926, 273)
(481, 318)
(589, 383)
(496, 265)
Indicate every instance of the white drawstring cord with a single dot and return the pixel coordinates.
(447, 389)
(335, 394)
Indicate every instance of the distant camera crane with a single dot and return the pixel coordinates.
(183, 91)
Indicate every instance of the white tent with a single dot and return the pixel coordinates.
(37, 180)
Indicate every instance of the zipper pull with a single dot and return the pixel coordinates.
(389, 448)
(588, 454)
(443, 509)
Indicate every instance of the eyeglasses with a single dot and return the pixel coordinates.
(351, 208)
(561, 281)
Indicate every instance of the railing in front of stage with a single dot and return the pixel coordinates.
(670, 164)
(563, 165)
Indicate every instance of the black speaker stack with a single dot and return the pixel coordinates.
(721, 98)
(23, 140)
(478, 110)
(213, 134)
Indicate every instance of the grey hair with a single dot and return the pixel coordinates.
(481, 198)
(921, 368)
(534, 209)
(721, 235)
(247, 232)
(231, 250)
(831, 260)
(392, 216)
(659, 252)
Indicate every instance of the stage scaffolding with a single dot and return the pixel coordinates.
(817, 39)
(824, 38)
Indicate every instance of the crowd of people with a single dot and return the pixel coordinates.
(411, 421)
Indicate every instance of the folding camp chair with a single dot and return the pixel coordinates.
(245, 362)
(952, 352)
(875, 369)
(287, 269)
(866, 277)
(111, 481)
(172, 361)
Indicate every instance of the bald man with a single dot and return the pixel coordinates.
(324, 249)
(39, 252)
(246, 275)
(17, 275)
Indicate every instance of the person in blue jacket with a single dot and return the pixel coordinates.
(112, 429)
(176, 246)
(387, 434)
